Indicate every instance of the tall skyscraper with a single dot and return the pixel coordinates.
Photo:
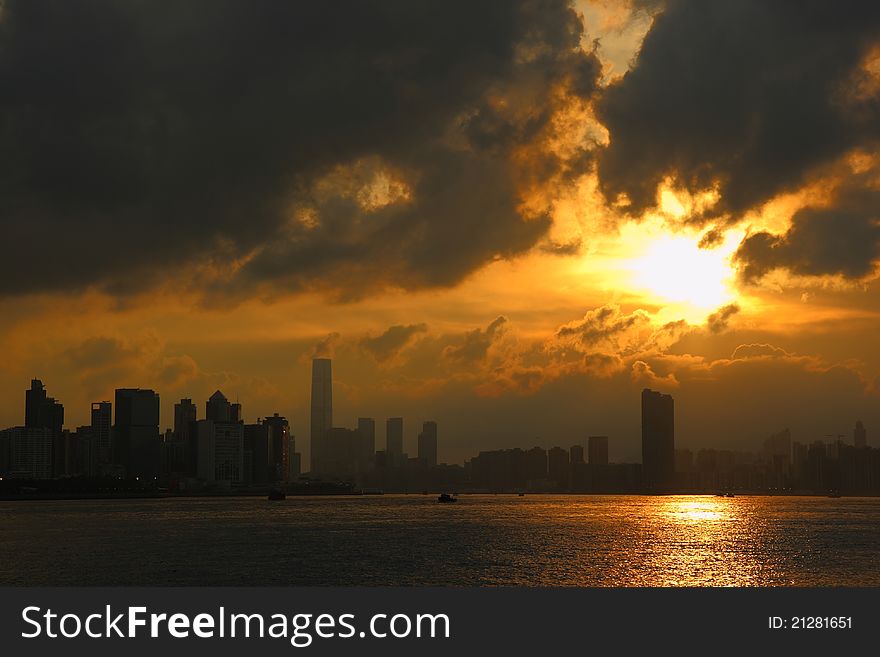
(42, 411)
(394, 441)
(102, 421)
(279, 448)
(256, 454)
(558, 467)
(220, 439)
(860, 436)
(184, 416)
(28, 452)
(658, 441)
(428, 444)
(218, 409)
(576, 453)
(322, 409)
(367, 430)
(136, 432)
(597, 450)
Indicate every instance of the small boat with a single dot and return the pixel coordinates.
(522, 494)
(276, 494)
(729, 495)
(446, 498)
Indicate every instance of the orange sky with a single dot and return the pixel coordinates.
(544, 345)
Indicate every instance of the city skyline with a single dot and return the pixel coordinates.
(516, 230)
(122, 438)
(395, 440)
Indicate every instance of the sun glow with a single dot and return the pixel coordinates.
(673, 268)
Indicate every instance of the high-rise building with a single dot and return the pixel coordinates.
(256, 454)
(184, 415)
(185, 439)
(279, 448)
(658, 441)
(558, 467)
(29, 452)
(367, 430)
(221, 452)
(136, 432)
(576, 453)
(322, 409)
(42, 411)
(342, 452)
(597, 450)
(860, 436)
(102, 421)
(428, 444)
(218, 409)
(220, 439)
(394, 441)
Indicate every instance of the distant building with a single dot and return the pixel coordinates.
(184, 435)
(597, 449)
(860, 436)
(342, 453)
(778, 446)
(394, 441)
(221, 452)
(220, 438)
(219, 409)
(101, 428)
(136, 432)
(576, 453)
(184, 415)
(279, 448)
(42, 411)
(367, 430)
(83, 452)
(428, 444)
(29, 452)
(658, 441)
(255, 459)
(558, 467)
(321, 410)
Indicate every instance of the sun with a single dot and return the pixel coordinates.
(673, 269)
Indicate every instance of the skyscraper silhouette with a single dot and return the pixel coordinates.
(279, 448)
(220, 438)
(597, 450)
(136, 432)
(322, 409)
(658, 441)
(42, 411)
(428, 444)
(394, 441)
(367, 430)
(102, 420)
(860, 436)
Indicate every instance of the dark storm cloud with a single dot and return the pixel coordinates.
(718, 321)
(388, 344)
(752, 96)
(138, 137)
(842, 239)
(603, 324)
(475, 344)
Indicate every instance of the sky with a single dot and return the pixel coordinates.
(506, 217)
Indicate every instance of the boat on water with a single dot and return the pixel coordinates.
(446, 498)
(276, 494)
